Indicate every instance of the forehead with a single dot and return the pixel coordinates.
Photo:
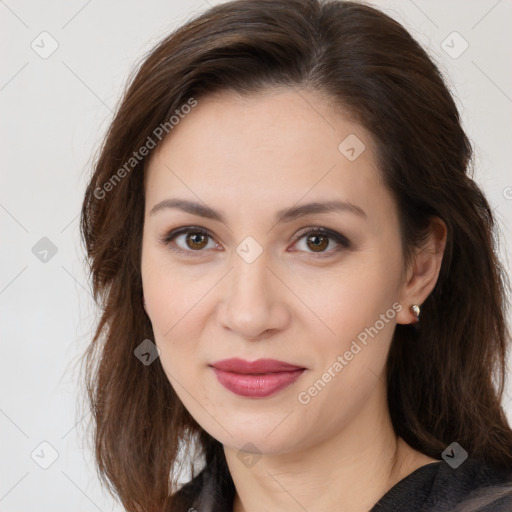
(271, 147)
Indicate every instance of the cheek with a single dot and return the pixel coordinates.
(175, 320)
(357, 306)
(179, 304)
(174, 316)
(353, 297)
(169, 301)
(350, 362)
(171, 293)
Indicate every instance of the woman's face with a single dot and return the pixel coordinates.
(256, 280)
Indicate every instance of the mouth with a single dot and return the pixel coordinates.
(256, 379)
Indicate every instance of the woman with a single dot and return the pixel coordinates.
(300, 289)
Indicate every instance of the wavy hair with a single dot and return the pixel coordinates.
(445, 381)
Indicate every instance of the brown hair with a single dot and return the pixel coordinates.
(445, 381)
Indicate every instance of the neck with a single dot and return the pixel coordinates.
(349, 471)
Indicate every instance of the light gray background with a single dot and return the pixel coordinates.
(54, 112)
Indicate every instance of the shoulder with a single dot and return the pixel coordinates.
(490, 490)
(475, 486)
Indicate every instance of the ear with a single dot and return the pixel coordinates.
(422, 274)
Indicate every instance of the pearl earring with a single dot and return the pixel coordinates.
(416, 311)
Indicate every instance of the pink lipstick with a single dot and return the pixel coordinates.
(256, 379)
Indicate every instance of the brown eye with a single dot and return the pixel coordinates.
(193, 241)
(322, 241)
(196, 240)
(317, 242)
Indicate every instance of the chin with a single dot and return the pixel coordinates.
(265, 437)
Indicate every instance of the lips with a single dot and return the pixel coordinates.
(251, 367)
(256, 379)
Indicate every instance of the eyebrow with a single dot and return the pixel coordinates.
(282, 216)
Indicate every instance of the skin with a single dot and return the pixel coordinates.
(250, 157)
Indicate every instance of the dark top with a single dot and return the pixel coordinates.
(435, 487)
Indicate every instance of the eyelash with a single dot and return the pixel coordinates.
(343, 242)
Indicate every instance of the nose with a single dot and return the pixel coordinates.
(254, 300)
